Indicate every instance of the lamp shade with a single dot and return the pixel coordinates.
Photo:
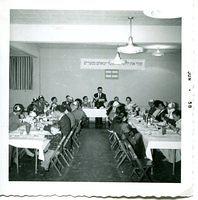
(130, 48)
(117, 60)
(158, 53)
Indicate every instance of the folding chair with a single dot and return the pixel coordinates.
(54, 160)
(121, 152)
(76, 134)
(141, 166)
(66, 149)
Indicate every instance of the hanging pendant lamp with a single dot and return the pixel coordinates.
(117, 60)
(130, 48)
(158, 53)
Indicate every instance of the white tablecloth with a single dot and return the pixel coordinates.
(153, 138)
(35, 140)
(93, 112)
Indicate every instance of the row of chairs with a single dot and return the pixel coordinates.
(65, 149)
(125, 151)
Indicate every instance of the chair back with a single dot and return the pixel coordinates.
(121, 144)
(59, 146)
(68, 138)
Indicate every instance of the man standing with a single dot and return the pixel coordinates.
(99, 100)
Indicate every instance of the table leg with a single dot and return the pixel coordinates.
(174, 159)
(152, 165)
(17, 159)
(36, 161)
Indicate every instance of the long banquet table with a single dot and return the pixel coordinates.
(153, 138)
(94, 112)
(34, 140)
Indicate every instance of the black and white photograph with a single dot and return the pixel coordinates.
(97, 97)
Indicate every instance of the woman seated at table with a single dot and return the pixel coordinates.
(130, 106)
(64, 125)
(14, 124)
(42, 105)
(54, 103)
(86, 102)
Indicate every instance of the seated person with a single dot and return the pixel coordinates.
(152, 108)
(41, 105)
(177, 118)
(71, 117)
(160, 112)
(67, 103)
(117, 120)
(112, 112)
(169, 153)
(169, 116)
(130, 106)
(111, 103)
(86, 102)
(54, 101)
(14, 124)
(33, 107)
(77, 111)
(65, 128)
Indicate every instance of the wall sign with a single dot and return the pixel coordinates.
(130, 64)
(111, 74)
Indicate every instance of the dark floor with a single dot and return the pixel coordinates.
(94, 161)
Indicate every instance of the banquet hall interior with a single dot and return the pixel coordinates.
(100, 67)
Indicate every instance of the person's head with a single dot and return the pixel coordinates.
(171, 106)
(161, 106)
(151, 103)
(58, 111)
(79, 101)
(67, 97)
(54, 100)
(74, 105)
(120, 110)
(85, 99)
(18, 109)
(41, 98)
(116, 99)
(128, 100)
(176, 115)
(99, 89)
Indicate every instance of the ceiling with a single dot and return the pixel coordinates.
(83, 17)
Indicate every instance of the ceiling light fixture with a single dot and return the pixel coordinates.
(130, 48)
(158, 53)
(117, 60)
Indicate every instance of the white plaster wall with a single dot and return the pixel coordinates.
(61, 75)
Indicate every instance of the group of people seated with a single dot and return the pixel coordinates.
(70, 112)
(65, 116)
(165, 114)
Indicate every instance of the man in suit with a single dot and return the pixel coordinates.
(64, 125)
(99, 101)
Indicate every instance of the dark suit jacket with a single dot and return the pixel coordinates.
(160, 115)
(98, 103)
(65, 125)
(66, 105)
